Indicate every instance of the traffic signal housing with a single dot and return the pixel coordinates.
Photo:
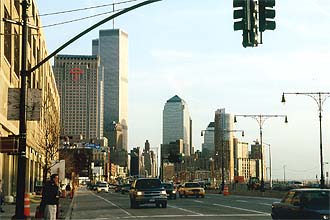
(241, 11)
(266, 15)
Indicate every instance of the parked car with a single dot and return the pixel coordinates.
(304, 203)
(170, 190)
(147, 191)
(102, 187)
(191, 189)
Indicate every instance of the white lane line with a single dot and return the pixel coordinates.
(186, 210)
(127, 213)
(206, 215)
(198, 201)
(241, 201)
(266, 204)
(233, 207)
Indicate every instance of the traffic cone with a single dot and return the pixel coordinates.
(27, 205)
(225, 191)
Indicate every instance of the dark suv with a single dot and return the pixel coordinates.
(146, 191)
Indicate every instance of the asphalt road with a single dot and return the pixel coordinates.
(92, 205)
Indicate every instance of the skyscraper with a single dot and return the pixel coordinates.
(112, 48)
(78, 85)
(177, 123)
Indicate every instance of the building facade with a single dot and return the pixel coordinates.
(177, 123)
(78, 83)
(112, 48)
(42, 79)
(208, 143)
(223, 140)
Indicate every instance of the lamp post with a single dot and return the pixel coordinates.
(21, 166)
(222, 154)
(319, 98)
(261, 120)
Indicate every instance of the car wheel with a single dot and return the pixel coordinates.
(158, 205)
(185, 195)
(164, 204)
(180, 195)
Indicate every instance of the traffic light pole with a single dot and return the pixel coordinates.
(20, 189)
(21, 166)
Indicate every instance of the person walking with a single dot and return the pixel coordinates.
(1, 197)
(50, 197)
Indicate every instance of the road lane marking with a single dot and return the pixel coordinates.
(108, 201)
(186, 210)
(266, 204)
(198, 201)
(206, 215)
(241, 201)
(233, 207)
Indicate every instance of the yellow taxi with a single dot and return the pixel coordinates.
(191, 189)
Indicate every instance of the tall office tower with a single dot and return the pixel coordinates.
(77, 81)
(208, 145)
(112, 48)
(223, 142)
(177, 123)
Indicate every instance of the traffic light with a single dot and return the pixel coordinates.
(254, 32)
(247, 12)
(241, 11)
(266, 12)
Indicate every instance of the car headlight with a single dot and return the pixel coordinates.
(325, 216)
(163, 192)
(173, 191)
(139, 193)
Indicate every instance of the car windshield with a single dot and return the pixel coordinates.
(192, 185)
(102, 185)
(148, 184)
(318, 200)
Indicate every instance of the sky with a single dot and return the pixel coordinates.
(189, 48)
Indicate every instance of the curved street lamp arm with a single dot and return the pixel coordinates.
(88, 30)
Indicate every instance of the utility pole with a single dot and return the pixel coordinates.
(21, 169)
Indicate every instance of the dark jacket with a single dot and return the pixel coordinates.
(50, 194)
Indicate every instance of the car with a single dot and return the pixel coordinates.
(305, 203)
(102, 186)
(191, 189)
(125, 188)
(147, 191)
(170, 190)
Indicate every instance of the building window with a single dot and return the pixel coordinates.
(7, 38)
(16, 53)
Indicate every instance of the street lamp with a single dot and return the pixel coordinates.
(261, 120)
(222, 154)
(21, 164)
(319, 98)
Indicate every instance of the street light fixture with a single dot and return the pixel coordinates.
(319, 98)
(261, 120)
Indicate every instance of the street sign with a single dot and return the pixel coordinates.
(9, 144)
(33, 99)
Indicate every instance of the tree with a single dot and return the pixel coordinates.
(49, 134)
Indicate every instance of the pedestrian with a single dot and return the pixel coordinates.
(50, 198)
(1, 197)
(68, 190)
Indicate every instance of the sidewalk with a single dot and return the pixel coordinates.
(9, 209)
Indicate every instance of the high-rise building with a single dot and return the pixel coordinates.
(208, 144)
(77, 80)
(177, 123)
(223, 140)
(112, 48)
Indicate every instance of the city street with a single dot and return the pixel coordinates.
(92, 205)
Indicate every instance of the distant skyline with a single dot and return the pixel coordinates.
(189, 48)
